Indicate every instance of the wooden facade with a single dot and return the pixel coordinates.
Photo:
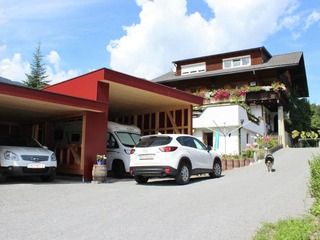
(169, 121)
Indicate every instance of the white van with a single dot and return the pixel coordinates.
(120, 140)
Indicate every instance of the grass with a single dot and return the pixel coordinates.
(306, 227)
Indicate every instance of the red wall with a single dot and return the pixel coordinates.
(95, 140)
(84, 86)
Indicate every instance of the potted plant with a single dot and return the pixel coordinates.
(236, 161)
(101, 159)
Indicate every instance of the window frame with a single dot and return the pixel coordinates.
(228, 63)
(193, 68)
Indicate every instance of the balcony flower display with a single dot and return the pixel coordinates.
(221, 94)
(277, 86)
(237, 94)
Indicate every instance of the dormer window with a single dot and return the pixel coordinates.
(236, 62)
(193, 68)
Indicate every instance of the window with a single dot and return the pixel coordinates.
(236, 62)
(111, 141)
(193, 68)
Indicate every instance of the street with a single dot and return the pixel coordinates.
(231, 207)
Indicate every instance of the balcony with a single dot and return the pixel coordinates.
(269, 96)
(270, 99)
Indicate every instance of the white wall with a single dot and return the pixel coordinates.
(227, 120)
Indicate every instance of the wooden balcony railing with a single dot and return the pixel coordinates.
(267, 97)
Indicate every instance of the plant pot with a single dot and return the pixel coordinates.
(236, 163)
(229, 164)
(247, 162)
(242, 162)
(224, 164)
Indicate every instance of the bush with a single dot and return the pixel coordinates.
(315, 209)
(315, 177)
(293, 229)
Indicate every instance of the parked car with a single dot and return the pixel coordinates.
(24, 156)
(172, 155)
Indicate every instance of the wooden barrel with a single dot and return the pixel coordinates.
(99, 173)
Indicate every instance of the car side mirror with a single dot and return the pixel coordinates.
(45, 147)
(209, 148)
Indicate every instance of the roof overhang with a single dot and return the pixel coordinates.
(25, 105)
(129, 95)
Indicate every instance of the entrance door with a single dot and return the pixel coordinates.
(208, 138)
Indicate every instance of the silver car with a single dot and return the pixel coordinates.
(24, 156)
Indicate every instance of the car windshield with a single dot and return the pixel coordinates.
(154, 141)
(18, 141)
(128, 139)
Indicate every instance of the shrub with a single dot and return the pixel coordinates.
(293, 229)
(315, 209)
(315, 177)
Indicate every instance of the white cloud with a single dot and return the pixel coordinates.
(60, 76)
(311, 19)
(14, 68)
(55, 75)
(166, 32)
(54, 59)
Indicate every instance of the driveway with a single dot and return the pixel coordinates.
(231, 207)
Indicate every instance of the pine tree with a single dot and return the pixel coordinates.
(37, 77)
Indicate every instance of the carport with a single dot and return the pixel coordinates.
(95, 98)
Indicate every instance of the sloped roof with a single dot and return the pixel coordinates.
(277, 61)
(8, 81)
(293, 61)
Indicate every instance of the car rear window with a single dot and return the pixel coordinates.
(154, 141)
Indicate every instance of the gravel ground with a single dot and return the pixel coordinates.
(231, 207)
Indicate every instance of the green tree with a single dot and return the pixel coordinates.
(300, 112)
(37, 77)
(315, 118)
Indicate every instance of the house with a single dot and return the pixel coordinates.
(244, 94)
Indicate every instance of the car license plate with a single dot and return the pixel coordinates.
(146, 157)
(36, 165)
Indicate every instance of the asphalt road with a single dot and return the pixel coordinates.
(231, 207)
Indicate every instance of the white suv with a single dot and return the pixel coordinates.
(24, 156)
(172, 155)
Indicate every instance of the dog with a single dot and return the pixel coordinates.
(269, 160)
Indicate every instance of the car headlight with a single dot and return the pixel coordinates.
(53, 157)
(8, 155)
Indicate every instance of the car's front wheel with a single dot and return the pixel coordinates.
(141, 179)
(216, 170)
(183, 175)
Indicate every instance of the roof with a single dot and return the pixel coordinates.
(8, 81)
(261, 49)
(27, 105)
(127, 95)
(277, 61)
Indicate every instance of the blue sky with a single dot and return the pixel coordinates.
(143, 37)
